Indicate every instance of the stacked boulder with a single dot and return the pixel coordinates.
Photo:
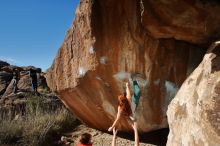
(13, 102)
(23, 81)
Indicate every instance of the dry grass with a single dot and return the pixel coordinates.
(38, 126)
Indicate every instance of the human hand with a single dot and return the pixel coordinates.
(110, 129)
(127, 84)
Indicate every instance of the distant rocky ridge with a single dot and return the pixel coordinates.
(24, 81)
(12, 105)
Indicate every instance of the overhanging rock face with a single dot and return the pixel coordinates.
(110, 40)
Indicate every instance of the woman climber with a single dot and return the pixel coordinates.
(127, 106)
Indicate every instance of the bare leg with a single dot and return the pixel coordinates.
(114, 137)
(136, 137)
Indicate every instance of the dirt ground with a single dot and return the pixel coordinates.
(98, 138)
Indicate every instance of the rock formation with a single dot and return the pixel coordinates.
(3, 64)
(109, 40)
(24, 81)
(5, 79)
(193, 115)
(24, 102)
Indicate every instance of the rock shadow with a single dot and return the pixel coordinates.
(157, 137)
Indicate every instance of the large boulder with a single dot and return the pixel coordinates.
(9, 89)
(193, 114)
(5, 79)
(24, 83)
(109, 40)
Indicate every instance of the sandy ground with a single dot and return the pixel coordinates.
(98, 138)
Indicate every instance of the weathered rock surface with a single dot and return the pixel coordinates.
(3, 64)
(194, 21)
(193, 114)
(5, 79)
(16, 105)
(24, 83)
(109, 40)
(24, 79)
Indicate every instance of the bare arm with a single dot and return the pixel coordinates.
(128, 92)
(116, 120)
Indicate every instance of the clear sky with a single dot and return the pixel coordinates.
(31, 31)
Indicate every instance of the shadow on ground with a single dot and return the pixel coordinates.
(158, 137)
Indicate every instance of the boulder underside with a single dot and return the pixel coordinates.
(163, 41)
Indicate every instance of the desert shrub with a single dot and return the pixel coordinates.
(40, 124)
(10, 131)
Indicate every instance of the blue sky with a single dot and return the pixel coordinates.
(31, 31)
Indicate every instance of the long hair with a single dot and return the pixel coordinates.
(124, 104)
(85, 138)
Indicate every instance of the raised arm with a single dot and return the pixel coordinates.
(128, 92)
(116, 120)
